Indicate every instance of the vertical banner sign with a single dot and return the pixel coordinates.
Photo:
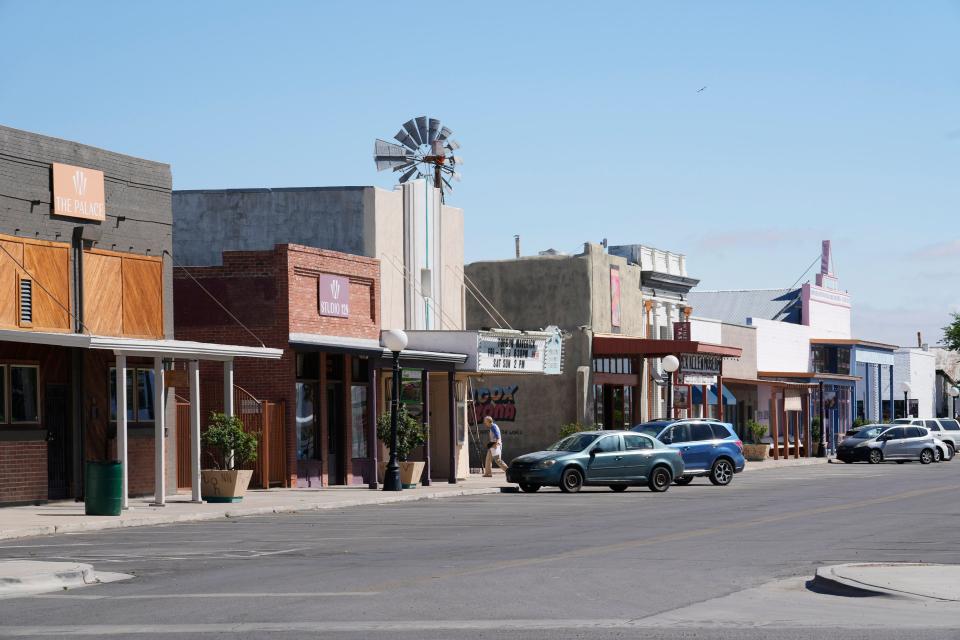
(333, 296)
(615, 297)
(553, 352)
(78, 193)
(681, 331)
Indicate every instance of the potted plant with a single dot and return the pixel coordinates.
(411, 433)
(815, 438)
(756, 451)
(230, 447)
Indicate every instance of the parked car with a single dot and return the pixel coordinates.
(709, 448)
(617, 459)
(945, 429)
(882, 443)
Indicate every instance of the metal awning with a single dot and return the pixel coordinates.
(369, 347)
(617, 345)
(142, 347)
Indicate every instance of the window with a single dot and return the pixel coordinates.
(843, 361)
(24, 393)
(701, 431)
(358, 419)
(140, 395)
(608, 444)
(917, 432)
(680, 433)
(3, 394)
(719, 431)
(632, 442)
(950, 425)
(933, 425)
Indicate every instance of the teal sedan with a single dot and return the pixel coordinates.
(617, 459)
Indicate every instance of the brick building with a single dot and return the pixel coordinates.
(86, 291)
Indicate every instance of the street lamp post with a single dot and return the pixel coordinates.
(395, 341)
(954, 392)
(905, 387)
(670, 365)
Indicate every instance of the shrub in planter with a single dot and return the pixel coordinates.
(757, 451)
(411, 433)
(231, 447)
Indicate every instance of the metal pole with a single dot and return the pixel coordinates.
(669, 396)
(906, 408)
(391, 479)
(159, 436)
(823, 424)
(193, 369)
(122, 426)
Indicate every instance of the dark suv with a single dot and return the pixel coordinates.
(709, 448)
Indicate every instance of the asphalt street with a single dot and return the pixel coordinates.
(696, 562)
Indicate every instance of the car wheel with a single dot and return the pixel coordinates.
(951, 451)
(875, 456)
(659, 479)
(529, 487)
(683, 480)
(722, 472)
(926, 456)
(619, 488)
(937, 455)
(571, 480)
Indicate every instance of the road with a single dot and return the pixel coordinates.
(698, 561)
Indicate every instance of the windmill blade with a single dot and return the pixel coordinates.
(457, 176)
(388, 155)
(444, 133)
(447, 182)
(401, 167)
(407, 175)
(422, 128)
(434, 130)
(453, 145)
(456, 159)
(404, 138)
(411, 128)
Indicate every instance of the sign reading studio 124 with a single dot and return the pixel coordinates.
(78, 192)
(333, 296)
(508, 352)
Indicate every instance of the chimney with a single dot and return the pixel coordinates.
(919, 339)
(516, 245)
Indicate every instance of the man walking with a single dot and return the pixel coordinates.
(494, 449)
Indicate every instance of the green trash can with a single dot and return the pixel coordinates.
(103, 495)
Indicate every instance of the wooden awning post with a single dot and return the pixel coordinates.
(774, 433)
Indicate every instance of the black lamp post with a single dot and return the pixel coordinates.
(395, 341)
(670, 365)
(954, 392)
(906, 393)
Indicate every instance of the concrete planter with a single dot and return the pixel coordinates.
(218, 485)
(410, 473)
(756, 452)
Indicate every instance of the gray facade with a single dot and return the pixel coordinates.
(208, 222)
(138, 201)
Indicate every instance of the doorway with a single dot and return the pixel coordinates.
(55, 419)
(335, 440)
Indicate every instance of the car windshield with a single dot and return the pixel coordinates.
(868, 432)
(576, 442)
(649, 429)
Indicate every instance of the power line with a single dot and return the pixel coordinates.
(805, 272)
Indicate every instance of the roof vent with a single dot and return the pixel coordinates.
(26, 301)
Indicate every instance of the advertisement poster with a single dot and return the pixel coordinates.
(681, 396)
(615, 297)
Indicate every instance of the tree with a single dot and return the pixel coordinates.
(951, 333)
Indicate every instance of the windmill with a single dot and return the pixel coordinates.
(425, 151)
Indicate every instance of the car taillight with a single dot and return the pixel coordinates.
(680, 451)
(740, 445)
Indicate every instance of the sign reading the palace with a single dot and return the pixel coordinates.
(78, 192)
(333, 295)
(510, 353)
(697, 368)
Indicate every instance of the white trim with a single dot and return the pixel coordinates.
(141, 346)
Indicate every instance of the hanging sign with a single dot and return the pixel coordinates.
(510, 353)
(696, 368)
(681, 331)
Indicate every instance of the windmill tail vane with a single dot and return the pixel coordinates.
(425, 150)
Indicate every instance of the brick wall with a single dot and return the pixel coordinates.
(273, 293)
(23, 471)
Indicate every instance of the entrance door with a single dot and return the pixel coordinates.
(308, 436)
(613, 407)
(55, 417)
(335, 432)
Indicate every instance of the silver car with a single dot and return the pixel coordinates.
(900, 443)
(947, 431)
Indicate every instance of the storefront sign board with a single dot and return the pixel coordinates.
(510, 353)
(78, 192)
(333, 295)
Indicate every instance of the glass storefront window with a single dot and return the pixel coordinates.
(145, 395)
(306, 423)
(358, 412)
(24, 398)
(843, 361)
(131, 395)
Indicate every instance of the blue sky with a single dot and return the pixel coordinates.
(578, 121)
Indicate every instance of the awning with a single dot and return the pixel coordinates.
(696, 396)
(769, 383)
(616, 345)
(369, 347)
(142, 347)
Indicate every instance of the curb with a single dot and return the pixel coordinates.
(827, 580)
(121, 523)
(786, 464)
(831, 579)
(37, 577)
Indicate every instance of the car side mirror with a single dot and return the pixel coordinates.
(666, 439)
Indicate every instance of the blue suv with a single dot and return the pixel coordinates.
(709, 448)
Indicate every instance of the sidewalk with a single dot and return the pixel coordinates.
(69, 517)
(770, 463)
